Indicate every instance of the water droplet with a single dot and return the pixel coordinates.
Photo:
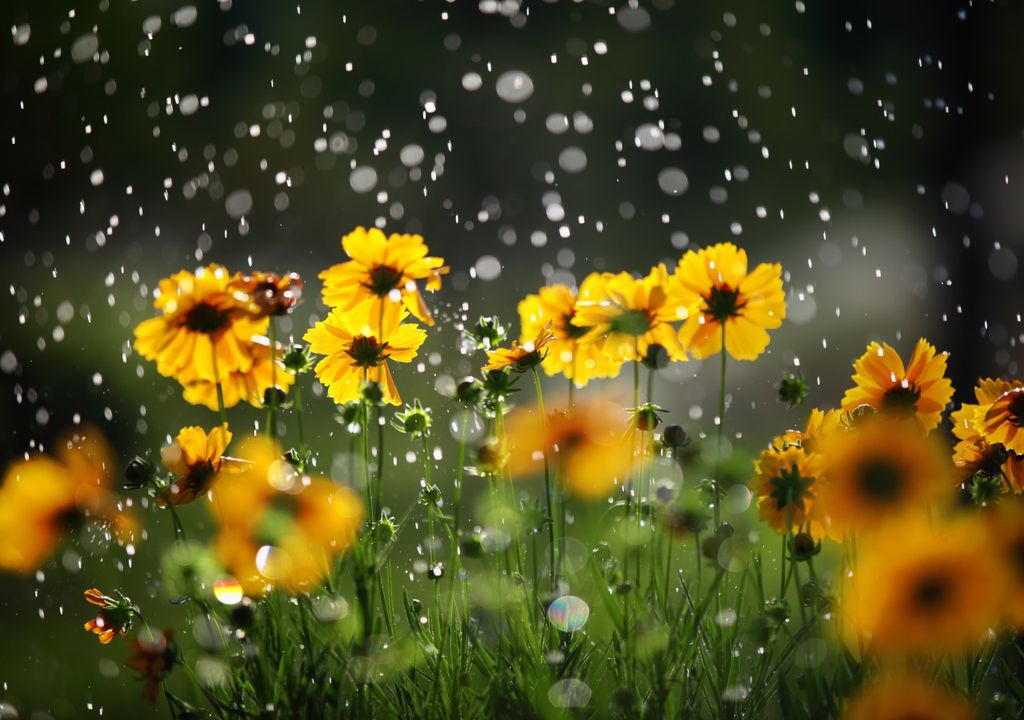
(514, 86)
(568, 613)
(21, 34)
(184, 16)
(472, 81)
(411, 155)
(570, 692)
(188, 104)
(673, 181)
(633, 19)
(363, 179)
(238, 203)
(228, 591)
(488, 268)
(84, 47)
(572, 160)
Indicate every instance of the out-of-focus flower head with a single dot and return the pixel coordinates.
(784, 482)
(902, 696)
(153, 657)
(195, 458)
(264, 373)
(520, 357)
(266, 294)
(115, 615)
(487, 334)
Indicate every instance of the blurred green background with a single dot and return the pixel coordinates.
(873, 148)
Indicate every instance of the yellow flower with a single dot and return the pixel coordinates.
(820, 424)
(195, 458)
(922, 588)
(973, 453)
(115, 616)
(355, 351)
(577, 361)
(521, 357)
(198, 316)
(719, 295)
(785, 482)
(266, 294)
(626, 315)
(880, 469)
(1006, 524)
(902, 696)
(383, 268)
(1004, 421)
(587, 449)
(43, 498)
(263, 373)
(919, 390)
(278, 527)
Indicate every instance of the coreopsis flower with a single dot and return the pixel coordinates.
(195, 458)
(719, 296)
(520, 357)
(153, 657)
(250, 385)
(589, 447)
(355, 351)
(975, 454)
(917, 390)
(820, 424)
(114, 617)
(626, 315)
(554, 306)
(1004, 421)
(414, 420)
(906, 696)
(921, 587)
(202, 331)
(784, 482)
(277, 526)
(880, 469)
(43, 498)
(792, 389)
(383, 269)
(1006, 525)
(266, 294)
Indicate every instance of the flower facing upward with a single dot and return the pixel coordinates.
(719, 295)
(278, 527)
(114, 617)
(589, 447)
(383, 268)
(199, 317)
(922, 588)
(240, 385)
(43, 498)
(355, 350)
(266, 294)
(195, 458)
(918, 390)
(153, 657)
(880, 469)
(521, 357)
(626, 315)
(784, 482)
(903, 696)
(555, 305)
(974, 453)
(1004, 421)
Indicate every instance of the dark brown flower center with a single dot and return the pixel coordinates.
(573, 332)
(383, 279)
(881, 481)
(723, 303)
(366, 352)
(901, 400)
(205, 318)
(931, 592)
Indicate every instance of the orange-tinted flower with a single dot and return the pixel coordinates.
(266, 294)
(44, 497)
(973, 453)
(903, 696)
(919, 390)
(278, 527)
(199, 320)
(588, 448)
(554, 306)
(521, 357)
(153, 657)
(820, 424)
(195, 458)
(115, 616)
(784, 482)
(383, 269)
(719, 295)
(1005, 522)
(1004, 421)
(238, 386)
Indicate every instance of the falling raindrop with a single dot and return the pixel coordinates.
(84, 47)
(514, 86)
(568, 613)
(238, 203)
(184, 16)
(363, 179)
(673, 181)
(570, 692)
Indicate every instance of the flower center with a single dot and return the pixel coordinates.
(205, 318)
(931, 592)
(1016, 410)
(383, 279)
(902, 399)
(723, 303)
(630, 322)
(881, 481)
(789, 488)
(366, 352)
(573, 332)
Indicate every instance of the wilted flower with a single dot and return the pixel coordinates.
(114, 617)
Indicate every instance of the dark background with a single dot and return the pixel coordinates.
(881, 142)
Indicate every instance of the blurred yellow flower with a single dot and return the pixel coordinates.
(880, 469)
(588, 448)
(921, 587)
(919, 390)
(719, 295)
(521, 357)
(903, 696)
(43, 498)
(1006, 524)
(250, 385)
(974, 453)
(195, 458)
(626, 315)
(784, 482)
(578, 361)
(355, 351)
(278, 527)
(383, 269)
(198, 316)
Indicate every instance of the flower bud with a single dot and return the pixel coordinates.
(274, 397)
(139, 473)
(656, 357)
(372, 393)
(674, 437)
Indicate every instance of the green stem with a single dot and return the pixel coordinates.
(298, 414)
(272, 406)
(547, 488)
(721, 431)
(216, 380)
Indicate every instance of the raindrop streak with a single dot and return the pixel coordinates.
(568, 613)
(514, 86)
